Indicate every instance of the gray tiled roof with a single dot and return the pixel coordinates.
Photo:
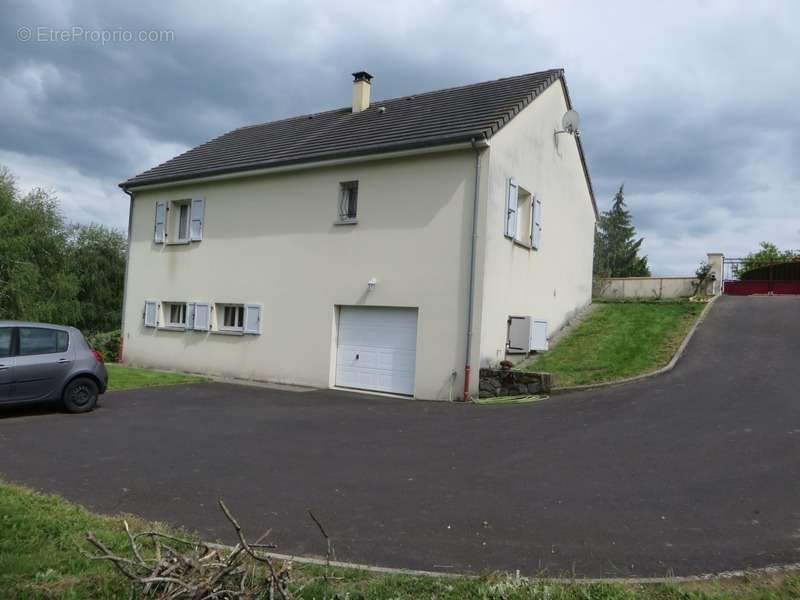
(434, 118)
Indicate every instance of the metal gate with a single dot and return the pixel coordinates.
(770, 279)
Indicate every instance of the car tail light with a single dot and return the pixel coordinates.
(98, 356)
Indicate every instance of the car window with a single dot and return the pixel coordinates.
(5, 341)
(39, 340)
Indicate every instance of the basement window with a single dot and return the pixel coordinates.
(348, 202)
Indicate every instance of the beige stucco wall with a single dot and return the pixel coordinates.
(554, 281)
(654, 288)
(272, 240)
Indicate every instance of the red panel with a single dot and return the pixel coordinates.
(786, 287)
(746, 288)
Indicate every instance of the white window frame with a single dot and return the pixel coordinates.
(523, 216)
(167, 310)
(173, 225)
(348, 194)
(524, 233)
(220, 309)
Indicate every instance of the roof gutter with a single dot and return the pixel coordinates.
(477, 146)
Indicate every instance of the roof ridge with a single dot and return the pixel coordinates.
(415, 95)
(479, 83)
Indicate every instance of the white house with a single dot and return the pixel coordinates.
(381, 247)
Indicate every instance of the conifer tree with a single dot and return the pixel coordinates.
(616, 249)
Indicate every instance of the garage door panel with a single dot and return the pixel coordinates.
(361, 335)
(377, 349)
(378, 380)
(376, 358)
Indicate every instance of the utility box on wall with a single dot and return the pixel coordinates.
(526, 334)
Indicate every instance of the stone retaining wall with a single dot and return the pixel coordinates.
(509, 382)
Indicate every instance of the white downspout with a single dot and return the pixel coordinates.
(476, 145)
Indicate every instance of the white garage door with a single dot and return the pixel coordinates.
(377, 349)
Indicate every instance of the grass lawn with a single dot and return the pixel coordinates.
(39, 558)
(121, 377)
(618, 340)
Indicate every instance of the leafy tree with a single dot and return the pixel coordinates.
(616, 249)
(52, 272)
(96, 256)
(767, 255)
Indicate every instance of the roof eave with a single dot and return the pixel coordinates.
(375, 152)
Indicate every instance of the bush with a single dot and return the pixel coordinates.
(107, 343)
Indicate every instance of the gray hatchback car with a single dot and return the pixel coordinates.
(40, 362)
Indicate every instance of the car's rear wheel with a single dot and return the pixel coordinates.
(80, 395)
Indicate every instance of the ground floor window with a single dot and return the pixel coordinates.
(175, 314)
(232, 317)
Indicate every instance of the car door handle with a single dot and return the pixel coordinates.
(62, 360)
(3, 367)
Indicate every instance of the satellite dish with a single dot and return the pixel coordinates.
(571, 122)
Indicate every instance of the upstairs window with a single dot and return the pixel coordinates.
(523, 216)
(348, 202)
(179, 213)
(179, 221)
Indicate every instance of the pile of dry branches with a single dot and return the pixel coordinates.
(167, 567)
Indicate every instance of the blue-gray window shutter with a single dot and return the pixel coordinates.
(202, 316)
(198, 215)
(536, 225)
(252, 318)
(150, 313)
(161, 223)
(189, 316)
(511, 209)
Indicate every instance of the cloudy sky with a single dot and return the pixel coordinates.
(693, 105)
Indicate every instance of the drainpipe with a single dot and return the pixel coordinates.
(125, 281)
(476, 145)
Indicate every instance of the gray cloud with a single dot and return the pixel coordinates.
(692, 106)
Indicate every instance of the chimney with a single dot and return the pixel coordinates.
(361, 87)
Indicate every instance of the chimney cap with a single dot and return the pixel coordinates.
(362, 76)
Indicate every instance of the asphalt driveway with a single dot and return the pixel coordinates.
(691, 472)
